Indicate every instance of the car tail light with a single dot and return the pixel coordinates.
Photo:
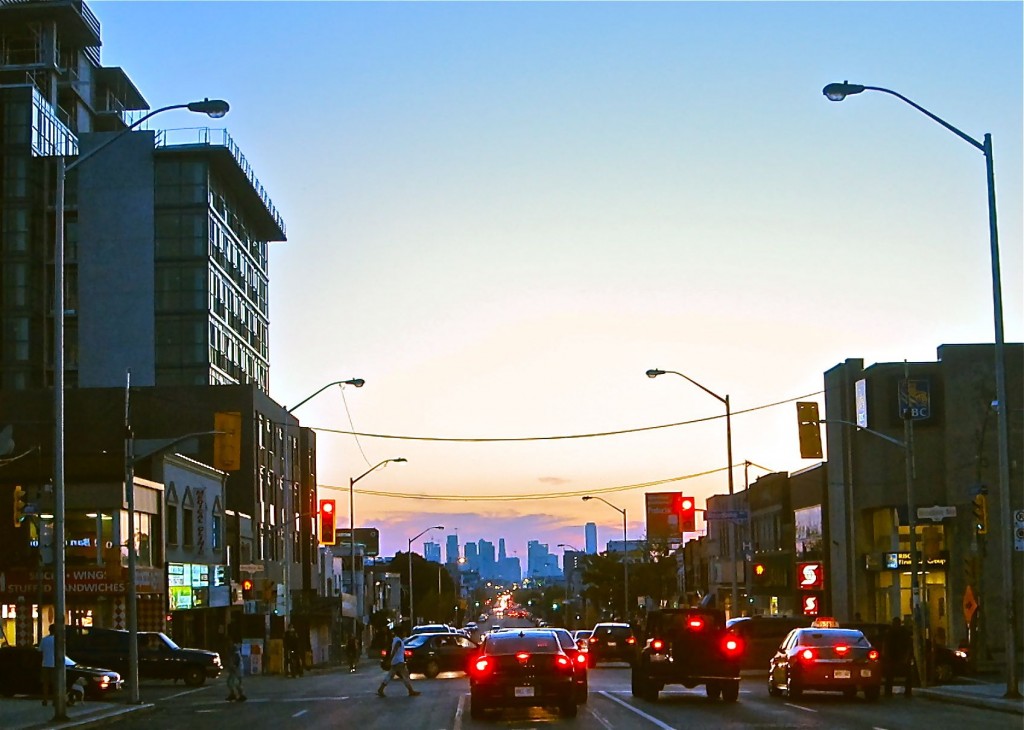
(841, 649)
(482, 665)
(806, 655)
(631, 640)
(592, 640)
(657, 645)
(522, 656)
(408, 653)
(561, 661)
(732, 645)
(104, 681)
(581, 658)
(873, 655)
(695, 624)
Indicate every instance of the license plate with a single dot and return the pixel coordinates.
(842, 674)
(524, 691)
(611, 643)
(865, 672)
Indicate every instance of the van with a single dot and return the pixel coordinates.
(762, 635)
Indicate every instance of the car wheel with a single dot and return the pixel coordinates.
(731, 691)
(568, 709)
(194, 677)
(477, 708)
(636, 683)
(773, 690)
(850, 692)
(432, 669)
(793, 690)
(871, 693)
(650, 691)
(713, 690)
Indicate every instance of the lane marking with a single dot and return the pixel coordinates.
(639, 712)
(184, 693)
(300, 713)
(599, 718)
(799, 707)
(457, 725)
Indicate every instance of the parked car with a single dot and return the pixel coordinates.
(612, 642)
(944, 663)
(159, 657)
(827, 660)
(522, 668)
(20, 674)
(579, 660)
(431, 654)
(762, 635)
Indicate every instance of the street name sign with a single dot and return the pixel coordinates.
(936, 513)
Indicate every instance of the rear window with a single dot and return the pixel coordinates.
(613, 631)
(666, 623)
(415, 641)
(500, 644)
(565, 639)
(831, 638)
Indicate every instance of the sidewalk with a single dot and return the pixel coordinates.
(986, 694)
(27, 713)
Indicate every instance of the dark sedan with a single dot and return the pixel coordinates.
(524, 668)
(431, 654)
(20, 674)
(579, 660)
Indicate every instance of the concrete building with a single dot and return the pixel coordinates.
(590, 536)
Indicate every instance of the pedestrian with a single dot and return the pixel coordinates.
(231, 658)
(898, 660)
(46, 673)
(292, 660)
(397, 667)
(352, 653)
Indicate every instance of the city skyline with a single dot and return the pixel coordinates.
(501, 215)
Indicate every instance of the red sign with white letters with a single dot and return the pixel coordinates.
(811, 604)
(810, 576)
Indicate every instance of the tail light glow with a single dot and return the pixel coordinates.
(732, 645)
(561, 660)
(873, 655)
(695, 624)
(408, 653)
(482, 665)
(522, 656)
(842, 649)
(806, 654)
(631, 640)
(581, 658)
(657, 644)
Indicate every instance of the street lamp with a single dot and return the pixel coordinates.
(625, 554)
(358, 382)
(724, 400)
(838, 92)
(211, 107)
(412, 616)
(352, 511)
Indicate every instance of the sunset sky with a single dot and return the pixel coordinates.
(500, 215)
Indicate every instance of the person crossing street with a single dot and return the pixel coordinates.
(397, 667)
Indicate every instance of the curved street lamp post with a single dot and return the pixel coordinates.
(838, 92)
(625, 554)
(412, 616)
(215, 108)
(724, 400)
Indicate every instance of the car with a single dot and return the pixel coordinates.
(688, 646)
(944, 663)
(470, 626)
(432, 629)
(579, 659)
(20, 674)
(761, 636)
(612, 642)
(581, 638)
(525, 668)
(825, 659)
(431, 654)
(159, 656)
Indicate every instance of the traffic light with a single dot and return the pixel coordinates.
(328, 522)
(981, 514)
(19, 505)
(809, 429)
(227, 441)
(759, 572)
(688, 514)
(247, 589)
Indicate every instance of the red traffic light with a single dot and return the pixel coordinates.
(327, 522)
(247, 584)
(327, 506)
(688, 514)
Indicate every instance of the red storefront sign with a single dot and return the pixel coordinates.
(810, 576)
(94, 581)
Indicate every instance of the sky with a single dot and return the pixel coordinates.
(500, 215)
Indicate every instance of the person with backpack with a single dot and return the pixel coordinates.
(396, 667)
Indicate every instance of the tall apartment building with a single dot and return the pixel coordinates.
(432, 552)
(590, 533)
(167, 238)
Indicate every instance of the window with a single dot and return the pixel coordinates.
(217, 526)
(188, 520)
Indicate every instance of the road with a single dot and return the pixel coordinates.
(341, 700)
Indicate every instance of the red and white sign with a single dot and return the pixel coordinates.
(810, 576)
(811, 605)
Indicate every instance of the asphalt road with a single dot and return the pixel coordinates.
(342, 700)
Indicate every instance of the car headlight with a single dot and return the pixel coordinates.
(960, 654)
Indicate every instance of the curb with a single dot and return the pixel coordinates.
(93, 719)
(984, 703)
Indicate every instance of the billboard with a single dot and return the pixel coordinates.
(368, 537)
(663, 510)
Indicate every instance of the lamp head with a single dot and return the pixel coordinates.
(438, 527)
(655, 373)
(587, 498)
(214, 108)
(400, 460)
(838, 92)
(358, 382)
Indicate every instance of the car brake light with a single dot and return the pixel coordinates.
(482, 665)
(657, 645)
(873, 655)
(731, 645)
(807, 654)
(841, 649)
(408, 653)
(522, 656)
(631, 640)
(581, 658)
(696, 624)
(561, 660)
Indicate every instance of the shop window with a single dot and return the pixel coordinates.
(172, 515)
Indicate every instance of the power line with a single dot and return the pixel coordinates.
(559, 438)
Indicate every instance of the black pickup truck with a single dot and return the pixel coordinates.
(688, 646)
(159, 657)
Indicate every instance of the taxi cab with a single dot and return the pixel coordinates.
(828, 658)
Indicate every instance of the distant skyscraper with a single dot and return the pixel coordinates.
(501, 549)
(432, 551)
(451, 549)
(488, 567)
(472, 557)
(591, 536)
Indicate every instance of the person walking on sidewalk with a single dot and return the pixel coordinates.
(231, 658)
(352, 653)
(398, 668)
(46, 646)
(898, 660)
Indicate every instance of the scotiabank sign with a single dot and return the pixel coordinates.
(810, 576)
(96, 581)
